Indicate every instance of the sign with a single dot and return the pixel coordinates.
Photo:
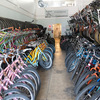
(56, 13)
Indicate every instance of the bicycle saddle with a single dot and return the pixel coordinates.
(30, 47)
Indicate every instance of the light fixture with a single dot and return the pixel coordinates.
(26, 1)
(53, 0)
(41, 3)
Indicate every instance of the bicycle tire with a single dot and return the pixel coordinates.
(95, 96)
(79, 74)
(32, 70)
(44, 64)
(29, 82)
(52, 46)
(18, 96)
(84, 71)
(83, 77)
(86, 89)
(68, 54)
(49, 48)
(68, 59)
(27, 87)
(76, 69)
(70, 68)
(31, 75)
(77, 89)
(49, 52)
(38, 78)
(10, 91)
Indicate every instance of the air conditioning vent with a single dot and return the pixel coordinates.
(56, 13)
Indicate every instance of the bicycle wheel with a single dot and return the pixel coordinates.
(83, 77)
(38, 78)
(76, 69)
(83, 84)
(45, 64)
(52, 46)
(32, 77)
(95, 96)
(49, 52)
(84, 95)
(16, 96)
(79, 74)
(25, 89)
(49, 48)
(72, 63)
(28, 82)
(68, 54)
(11, 91)
(68, 59)
(84, 71)
(32, 70)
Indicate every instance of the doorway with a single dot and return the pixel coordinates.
(57, 31)
(57, 35)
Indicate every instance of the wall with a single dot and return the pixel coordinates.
(16, 10)
(82, 3)
(8, 13)
(40, 15)
(47, 22)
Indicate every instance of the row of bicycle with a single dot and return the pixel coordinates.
(7, 24)
(86, 22)
(83, 60)
(19, 79)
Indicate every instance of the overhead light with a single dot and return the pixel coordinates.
(68, 3)
(56, 4)
(53, 0)
(25, 1)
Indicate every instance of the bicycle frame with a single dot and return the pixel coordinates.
(35, 59)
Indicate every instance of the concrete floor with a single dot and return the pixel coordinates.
(56, 83)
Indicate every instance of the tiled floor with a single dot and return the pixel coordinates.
(56, 83)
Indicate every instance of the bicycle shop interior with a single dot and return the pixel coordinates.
(49, 50)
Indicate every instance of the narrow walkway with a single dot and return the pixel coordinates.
(55, 83)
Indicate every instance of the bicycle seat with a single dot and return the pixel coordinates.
(30, 47)
(25, 50)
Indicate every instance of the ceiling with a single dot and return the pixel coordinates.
(59, 3)
(29, 6)
(26, 5)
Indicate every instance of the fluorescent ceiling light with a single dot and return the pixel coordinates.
(59, 3)
(59, 0)
(53, 0)
(25, 1)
